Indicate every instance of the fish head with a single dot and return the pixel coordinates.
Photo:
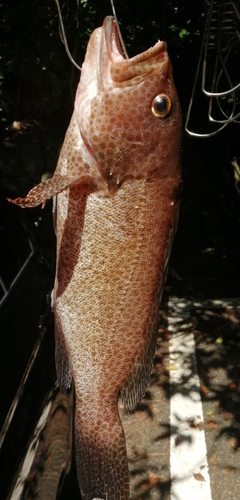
(127, 110)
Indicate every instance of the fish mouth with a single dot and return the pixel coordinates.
(135, 69)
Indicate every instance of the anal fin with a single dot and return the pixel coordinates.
(135, 386)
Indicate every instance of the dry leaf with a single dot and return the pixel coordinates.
(153, 479)
(200, 426)
(192, 425)
(212, 460)
(232, 386)
(227, 416)
(140, 415)
(204, 389)
(234, 443)
(145, 486)
(198, 476)
(211, 425)
(177, 440)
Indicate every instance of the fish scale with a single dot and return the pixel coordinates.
(117, 183)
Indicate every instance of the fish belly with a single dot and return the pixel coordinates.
(112, 257)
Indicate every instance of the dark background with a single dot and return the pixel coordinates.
(37, 87)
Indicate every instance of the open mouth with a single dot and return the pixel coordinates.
(124, 69)
(114, 41)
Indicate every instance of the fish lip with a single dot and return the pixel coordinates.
(113, 43)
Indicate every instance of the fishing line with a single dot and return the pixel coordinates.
(64, 38)
(119, 31)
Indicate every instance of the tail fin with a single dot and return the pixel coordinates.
(101, 456)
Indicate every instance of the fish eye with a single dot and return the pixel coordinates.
(161, 106)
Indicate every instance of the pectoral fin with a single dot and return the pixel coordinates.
(74, 167)
(46, 190)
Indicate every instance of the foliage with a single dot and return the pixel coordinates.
(37, 81)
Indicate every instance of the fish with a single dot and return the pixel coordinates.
(117, 183)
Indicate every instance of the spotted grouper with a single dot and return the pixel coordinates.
(117, 182)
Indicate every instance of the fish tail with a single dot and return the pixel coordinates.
(101, 456)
